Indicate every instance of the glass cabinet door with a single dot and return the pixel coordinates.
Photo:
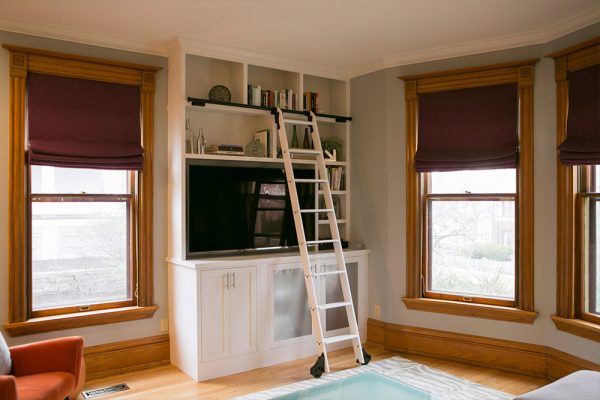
(291, 313)
(336, 318)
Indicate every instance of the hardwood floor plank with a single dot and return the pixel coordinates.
(169, 383)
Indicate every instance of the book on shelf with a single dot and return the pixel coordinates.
(311, 101)
(286, 99)
(225, 149)
(336, 178)
(264, 138)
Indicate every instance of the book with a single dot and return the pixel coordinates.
(264, 138)
(225, 147)
(225, 152)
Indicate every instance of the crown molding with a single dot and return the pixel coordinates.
(214, 50)
(208, 49)
(541, 36)
(83, 37)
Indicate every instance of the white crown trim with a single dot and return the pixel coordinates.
(545, 35)
(83, 37)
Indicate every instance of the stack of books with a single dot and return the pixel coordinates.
(336, 178)
(286, 99)
(225, 149)
(311, 101)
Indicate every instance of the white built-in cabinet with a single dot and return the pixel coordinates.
(228, 309)
(232, 314)
(229, 315)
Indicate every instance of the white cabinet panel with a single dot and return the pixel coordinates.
(215, 315)
(242, 292)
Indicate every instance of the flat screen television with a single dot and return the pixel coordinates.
(243, 208)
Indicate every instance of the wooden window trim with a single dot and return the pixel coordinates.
(568, 316)
(520, 73)
(21, 62)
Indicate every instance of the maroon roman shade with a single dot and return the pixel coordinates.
(81, 123)
(582, 145)
(468, 129)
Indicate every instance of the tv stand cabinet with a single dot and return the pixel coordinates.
(234, 314)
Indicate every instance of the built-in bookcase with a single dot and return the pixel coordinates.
(191, 76)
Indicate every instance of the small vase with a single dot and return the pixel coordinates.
(295, 142)
(306, 141)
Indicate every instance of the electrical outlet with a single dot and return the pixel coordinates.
(377, 310)
(164, 325)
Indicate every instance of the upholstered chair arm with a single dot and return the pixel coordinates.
(8, 387)
(55, 355)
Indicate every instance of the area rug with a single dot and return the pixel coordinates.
(441, 385)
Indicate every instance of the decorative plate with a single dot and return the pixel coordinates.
(219, 93)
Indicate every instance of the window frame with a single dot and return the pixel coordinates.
(569, 256)
(522, 310)
(428, 198)
(129, 200)
(21, 62)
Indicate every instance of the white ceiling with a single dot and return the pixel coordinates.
(355, 36)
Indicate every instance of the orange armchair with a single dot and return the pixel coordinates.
(47, 370)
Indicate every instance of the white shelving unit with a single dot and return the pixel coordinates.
(249, 326)
(192, 75)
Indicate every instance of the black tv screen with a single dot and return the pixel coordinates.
(237, 208)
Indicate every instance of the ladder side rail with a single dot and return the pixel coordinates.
(341, 262)
(308, 278)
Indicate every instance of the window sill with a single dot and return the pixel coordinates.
(471, 310)
(79, 320)
(578, 327)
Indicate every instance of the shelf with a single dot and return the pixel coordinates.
(258, 110)
(219, 157)
(326, 222)
(334, 192)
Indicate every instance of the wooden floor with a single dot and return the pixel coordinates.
(170, 383)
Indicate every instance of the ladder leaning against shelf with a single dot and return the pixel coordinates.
(310, 277)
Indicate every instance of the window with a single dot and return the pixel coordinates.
(81, 237)
(589, 232)
(71, 225)
(469, 221)
(577, 75)
(470, 192)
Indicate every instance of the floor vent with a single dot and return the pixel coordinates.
(89, 394)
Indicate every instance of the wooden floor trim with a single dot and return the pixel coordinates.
(507, 355)
(126, 356)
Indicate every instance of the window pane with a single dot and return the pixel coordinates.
(478, 181)
(51, 180)
(596, 171)
(79, 253)
(472, 247)
(594, 257)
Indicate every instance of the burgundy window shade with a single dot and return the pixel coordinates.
(582, 145)
(468, 129)
(82, 123)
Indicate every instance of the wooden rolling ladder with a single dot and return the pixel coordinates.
(321, 179)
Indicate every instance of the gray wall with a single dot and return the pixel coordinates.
(379, 196)
(102, 333)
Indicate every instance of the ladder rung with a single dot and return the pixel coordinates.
(334, 305)
(337, 271)
(313, 242)
(339, 338)
(316, 210)
(304, 151)
(297, 122)
(310, 180)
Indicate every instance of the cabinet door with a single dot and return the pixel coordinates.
(289, 311)
(215, 315)
(336, 318)
(242, 292)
